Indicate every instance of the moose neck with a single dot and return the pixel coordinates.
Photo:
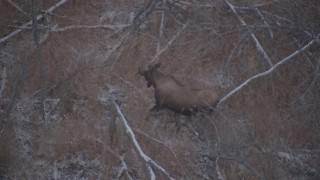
(156, 77)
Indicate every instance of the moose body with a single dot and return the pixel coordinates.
(171, 94)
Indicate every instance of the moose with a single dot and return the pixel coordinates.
(171, 94)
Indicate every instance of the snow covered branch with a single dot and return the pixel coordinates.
(39, 17)
(138, 148)
(268, 72)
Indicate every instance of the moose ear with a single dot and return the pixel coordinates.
(142, 71)
(149, 84)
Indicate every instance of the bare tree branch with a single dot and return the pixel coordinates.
(169, 43)
(160, 31)
(111, 27)
(124, 166)
(16, 87)
(268, 72)
(39, 17)
(3, 80)
(17, 7)
(143, 14)
(168, 147)
(36, 39)
(264, 22)
(137, 146)
(258, 5)
(257, 43)
(220, 177)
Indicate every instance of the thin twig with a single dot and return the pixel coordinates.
(124, 166)
(258, 5)
(285, 20)
(69, 28)
(17, 7)
(3, 80)
(219, 176)
(257, 43)
(16, 87)
(170, 42)
(160, 31)
(165, 145)
(264, 22)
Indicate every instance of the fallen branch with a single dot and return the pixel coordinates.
(138, 148)
(39, 17)
(165, 145)
(268, 72)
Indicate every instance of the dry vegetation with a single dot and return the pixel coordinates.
(73, 106)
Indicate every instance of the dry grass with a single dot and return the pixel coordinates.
(268, 130)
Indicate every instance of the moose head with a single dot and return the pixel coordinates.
(149, 73)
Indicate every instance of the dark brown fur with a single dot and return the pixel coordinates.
(171, 94)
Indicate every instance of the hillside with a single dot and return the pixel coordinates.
(73, 106)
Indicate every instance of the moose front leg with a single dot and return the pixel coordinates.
(155, 108)
(159, 103)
